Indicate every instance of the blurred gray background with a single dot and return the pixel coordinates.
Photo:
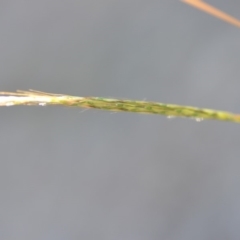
(72, 174)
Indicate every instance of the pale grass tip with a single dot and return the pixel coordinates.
(42, 104)
(8, 104)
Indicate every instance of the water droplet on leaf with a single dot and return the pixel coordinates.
(199, 119)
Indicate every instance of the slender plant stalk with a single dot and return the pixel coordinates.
(201, 5)
(38, 98)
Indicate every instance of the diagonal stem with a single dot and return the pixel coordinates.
(37, 98)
